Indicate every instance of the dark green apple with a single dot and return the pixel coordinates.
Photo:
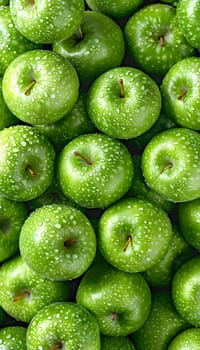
(134, 234)
(119, 301)
(187, 340)
(23, 292)
(181, 93)
(26, 162)
(116, 8)
(185, 291)
(12, 217)
(171, 164)
(47, 21)
(124, 102)
(97, 46)
(6, 117)
(13, 338)
(94, 170)
(116, 343)
(46, 87)
(63, 326)
(162, 325)
(58, 242)
(189, 221)
(154, 39)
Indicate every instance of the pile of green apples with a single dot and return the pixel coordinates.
(99, 175)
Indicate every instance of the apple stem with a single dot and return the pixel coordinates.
(162, 41)
(80, 33)
(114, 316)
(167, 166)
(29, 87)
(183, 93)
(129, 240)
(21, 296)
(122, 92)
(57, 346)
(70, 242)
(31, 171)
(86, 160)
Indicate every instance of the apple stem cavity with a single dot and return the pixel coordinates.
(86, 160)
(21, 296)
(182, 93)
(29, 87)
(122, 92)
(129, 240)
(70, 242)
(167, 166)
(57, 346)
(162, 41)
(114, 316)
(30, 171)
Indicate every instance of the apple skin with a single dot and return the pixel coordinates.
(12, 217)
(188, 217)
(154, 39)
(7, 118)
(134, 235)
(16, 278)
(13, 337)
(4, 2)
(68, 237)
(26, 162)
(162, 325)
(124, 115)
(94, 170)
(188, 19)
(116, 343)
(47, 21)
(46, 86)
(185, 291)
(171, 164)
(180, 93)
(116, 8)
(68, 324)
(187, 340)
(95, 48)
(119, 301)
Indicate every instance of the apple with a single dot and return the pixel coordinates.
(47, 21)
(4, 2)
(154, 40)
(12, 42)
(7, 118)
(180, 92)
(46, 86)
(116, 9)
(124, 102)
(189, 221)
(58, 242)
(185, 291)
(98, 45)
(26, 162)
(23, 292)
(119, 301)
(171, 164)
(188, 19)
(13, 337)
(94, 170)
(189, 339)
(63, 326)
(134, 235)
(162, 325)
(12, 217)
(116, 343)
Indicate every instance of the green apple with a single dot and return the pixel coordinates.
(46, 86)
(162, 325)
(187, 340)
(171, 164)
(119, 301)
(185, 291)
(154, 39)
(124, 102)
(116, 8)
(4, 2)
(13, 338)
(188, 18)
(7, 118)
(23, 292)
(94, 170)
(134, 234)
(26, 162)
(58, 242)
(73, 124)
(12, 217)
(116, 343)
(47, 21)
(181, 94)
(12, 42)
(189, 221)
(97, 46)
(63, 326)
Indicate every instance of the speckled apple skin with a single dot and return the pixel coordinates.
(114, 8)
(69, 323)
(13, 338)
(116, 343)
(187, 340)
(189, 221)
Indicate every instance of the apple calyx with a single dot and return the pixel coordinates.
(113, 316)
(70, 242)
(122, 92)
(21, 296)
(30, 171)
(182, 93)
(57, 346)
(129, 240)
(161, 40)
(86, 160)
(28, 89)
(167, 166)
